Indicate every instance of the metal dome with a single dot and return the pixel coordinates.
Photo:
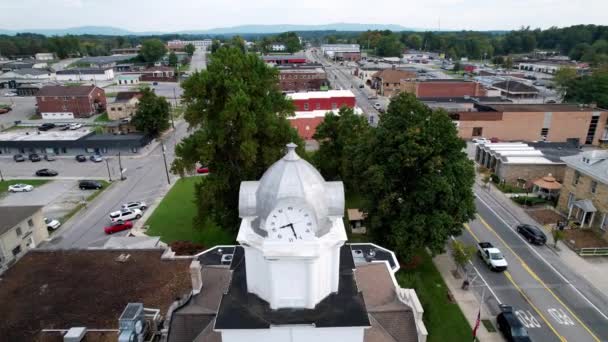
(292, 179)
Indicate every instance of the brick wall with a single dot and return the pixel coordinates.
(449, 89)
(306, 127)
(82, 106)
(582, 190)
(302, 81)
(510, 172)
(324, 103)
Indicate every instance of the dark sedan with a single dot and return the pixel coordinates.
(46, 173)
(34, 157)
(532, 233)
(80, 158)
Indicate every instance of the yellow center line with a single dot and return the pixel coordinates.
(508, 275)
(537, 278)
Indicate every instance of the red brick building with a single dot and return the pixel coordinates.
(302, 78)
(285, 59)
(68, 102)
(311, 108)
(444, 88)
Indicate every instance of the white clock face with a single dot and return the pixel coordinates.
(291, 223)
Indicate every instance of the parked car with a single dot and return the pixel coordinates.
(4, 110)
(125, 215)
(96, 158)
(46, 126)
(494, 140)
(510, 326)
(52, 224)
(19, 158)
(20, 188)
(481, 140)
(491, 256)
(532, 233)
(49, 157)
(64, 128)
(33, 157)
(154, 83)
(202, 170)
(74, 126)
(10, 94)
(135, 205)
(89, 185)
(118, 227)
(80, 158)
(46, 173)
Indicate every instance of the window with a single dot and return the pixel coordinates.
(112, 108)
(16, 250)
(593, 187)
(576, 178)
(604, 224)
(334, 106)
(306, 106)
(544, 132)
(307, 128)
(477, 131)
(18, 231)
(570, 200)
(317, 106)
(30, 223)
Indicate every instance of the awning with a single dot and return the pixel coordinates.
(548, 182)
(585, 205)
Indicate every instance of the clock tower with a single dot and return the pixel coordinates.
(291, 232)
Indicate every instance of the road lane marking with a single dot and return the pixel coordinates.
(527, 319)
(560, 316)
(543, 259)
(508, 275)
(537, 278)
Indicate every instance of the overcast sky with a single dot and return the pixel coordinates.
(176, 15)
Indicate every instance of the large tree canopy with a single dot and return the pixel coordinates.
(152, 116)
(588, 89)
(415, 178)
(152, 50)
(241, 128)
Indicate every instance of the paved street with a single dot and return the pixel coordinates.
(341, 77)
(146, 180)
(199, 60)
(167, 89)
(23, 109)
(553, 302)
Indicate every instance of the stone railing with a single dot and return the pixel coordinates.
(410, 298)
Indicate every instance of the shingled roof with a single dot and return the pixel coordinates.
(58, 90)
(394, 75)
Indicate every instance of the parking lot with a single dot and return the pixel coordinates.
(67, 167)
(22, 109)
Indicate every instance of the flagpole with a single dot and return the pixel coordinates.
(478, 320)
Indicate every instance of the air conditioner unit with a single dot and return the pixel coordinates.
(131, 323)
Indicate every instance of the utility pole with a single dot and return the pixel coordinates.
(120, 166)
(165, 161)
(174, 108)
(108, 167)
(1, 177)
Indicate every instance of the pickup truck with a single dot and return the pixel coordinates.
(491, 256)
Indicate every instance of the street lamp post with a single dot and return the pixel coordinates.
(165, 162)
(108, 167)
(120, 166)
(1, 177)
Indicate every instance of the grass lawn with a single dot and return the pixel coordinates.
(34, 182)
(443, 320)
(173, 218)
(102, 118)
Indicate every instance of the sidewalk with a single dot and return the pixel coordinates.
(466, 299)
(592, 269)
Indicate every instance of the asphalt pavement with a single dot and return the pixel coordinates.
(199, 60)
(22, 109)
(553, 304)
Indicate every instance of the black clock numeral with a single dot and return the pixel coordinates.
(274, 230)
(280, 210)
(290, 239)
(309, 224)
(308, 230)
(280, 236)
(289, 208)
(275, 216)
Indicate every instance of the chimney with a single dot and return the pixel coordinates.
(196, 276)
(393, 67)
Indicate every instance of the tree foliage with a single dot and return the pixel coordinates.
(173, 59)
(189, 49)
(152, 50)
(415, 177)
(588, 89)
(389, 46)
(152, 116)
(462, 253)
(239, 117)
(338, 136)
(215, 45)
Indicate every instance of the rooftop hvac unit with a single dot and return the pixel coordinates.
(131, 323)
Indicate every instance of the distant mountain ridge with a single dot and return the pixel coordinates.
(244, 29)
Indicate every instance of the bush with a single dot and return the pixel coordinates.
(523, 200)
(495, 179)
(511, 189)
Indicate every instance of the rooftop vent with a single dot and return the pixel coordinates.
(123, 257)
(75, 334)
(131, 323)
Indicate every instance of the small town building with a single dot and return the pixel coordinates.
(312, 106)
(285, 59)
(303, 77)
(534, 122)
(82, 74)
(21, 229)
(517, 162)
(342, 52)
(128, 79)
(443, 88)
(277, 47)
(69, 102)
(105, 62)
(126, 51)
(45, 56)
(584, 195)
(158, 74)
(461, 104)
(516, 89)
(29, 89)
(388, 81)
(124, 105)
(356, 220)
(70, 142)
(550, 66)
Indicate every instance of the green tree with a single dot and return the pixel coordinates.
(239, 117)
(291, 41)
(462, 253)
(215, 45)
(389, 46)
(189, 49)
(589, 89)
(152, 116)
(414, 41)
(152, 50)
(563, 78)
(338, 136)
(173, 59)
(457, 66)
(415, 177)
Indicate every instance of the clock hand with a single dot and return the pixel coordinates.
(285, 226)
(294, 231)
